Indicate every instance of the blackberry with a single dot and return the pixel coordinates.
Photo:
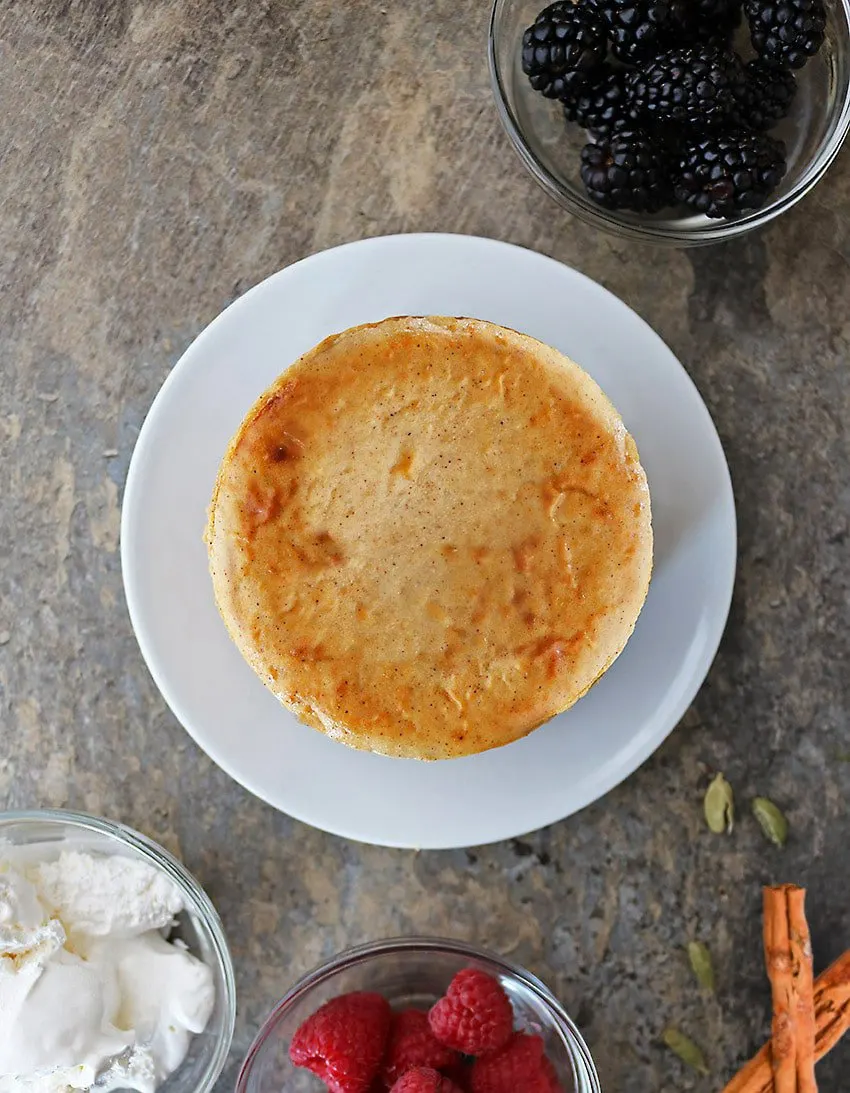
(768, 94)
(563, 48)
(638, 29)
(601, 108)
(627, 170)
(787, 31)
(700, 85)
(706, 20)
(722, 174)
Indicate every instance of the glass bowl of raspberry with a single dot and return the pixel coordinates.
(418, 1014)
(679, 122)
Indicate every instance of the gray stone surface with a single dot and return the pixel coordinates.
(156, 159)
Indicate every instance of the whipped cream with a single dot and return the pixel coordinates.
(90, 987)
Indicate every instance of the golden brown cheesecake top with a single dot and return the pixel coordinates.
(430, 535)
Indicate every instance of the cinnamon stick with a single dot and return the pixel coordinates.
(832, 1019)
(779, 961)
(801, 956)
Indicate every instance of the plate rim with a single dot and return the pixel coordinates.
(129, 507)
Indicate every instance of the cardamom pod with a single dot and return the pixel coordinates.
(719, 805)
(686, 1049)
(703, 969)
(771, 820)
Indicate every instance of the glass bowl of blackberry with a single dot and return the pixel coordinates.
(683, 122)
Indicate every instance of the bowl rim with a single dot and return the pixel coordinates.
(198, 900)
(659, 233)
(585, 1070)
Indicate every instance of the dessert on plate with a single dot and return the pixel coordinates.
(430, 535)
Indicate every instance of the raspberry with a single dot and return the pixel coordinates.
(521, 1065)
(460, 1073)
(475, 1016)
(413, 1044)
(424, 1080)
(343, 1042)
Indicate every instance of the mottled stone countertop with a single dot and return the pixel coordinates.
(157, 158)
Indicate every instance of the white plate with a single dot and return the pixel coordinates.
(566, 764)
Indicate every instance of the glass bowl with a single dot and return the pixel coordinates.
(550, 149)
(198, 927)
(410, 972)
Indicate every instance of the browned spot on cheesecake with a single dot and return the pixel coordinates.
(524, 554)
(262, 504)
(403, 465)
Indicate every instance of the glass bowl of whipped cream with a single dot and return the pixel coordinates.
(114, 969)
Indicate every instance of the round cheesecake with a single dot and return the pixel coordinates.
(430, 535)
